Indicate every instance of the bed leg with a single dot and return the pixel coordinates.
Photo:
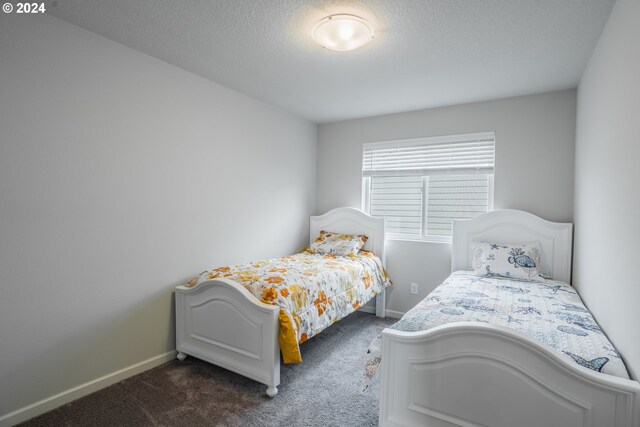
(181, 356)
(381, 303)
(272, 391)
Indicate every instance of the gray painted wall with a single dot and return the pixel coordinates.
(607, 198)
(121, 177)
(535, 137)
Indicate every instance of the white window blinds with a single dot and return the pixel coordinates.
(426, 156)
(399, 199)
(455, 197)
(421, 185)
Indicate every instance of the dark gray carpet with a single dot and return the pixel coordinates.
(324, 390)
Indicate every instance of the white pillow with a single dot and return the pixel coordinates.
(512, 261)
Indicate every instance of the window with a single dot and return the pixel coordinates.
(421, 185)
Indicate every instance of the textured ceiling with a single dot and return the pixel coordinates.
(425, 53)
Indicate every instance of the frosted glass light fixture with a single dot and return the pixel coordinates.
(342, 32)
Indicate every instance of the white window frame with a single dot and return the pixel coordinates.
(366, 185)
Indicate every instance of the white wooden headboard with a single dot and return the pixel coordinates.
(352, 221)
(512, 227)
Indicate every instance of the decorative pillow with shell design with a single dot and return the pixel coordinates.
(512, 261)
(337, 244)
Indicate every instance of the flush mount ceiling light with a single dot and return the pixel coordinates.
(342, 32)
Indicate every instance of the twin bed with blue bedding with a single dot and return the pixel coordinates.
(550, 312)
(497, 344)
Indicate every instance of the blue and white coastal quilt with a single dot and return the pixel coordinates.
(550, 312)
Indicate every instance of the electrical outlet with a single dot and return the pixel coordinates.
(414, 288)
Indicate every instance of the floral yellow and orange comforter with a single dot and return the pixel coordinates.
(313, 291)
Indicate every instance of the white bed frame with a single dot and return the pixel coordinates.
(477, 374)
(221, 322)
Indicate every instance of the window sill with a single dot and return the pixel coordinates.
(417, 240)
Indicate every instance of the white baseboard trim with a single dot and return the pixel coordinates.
(52, 402)
(389, 313)
(394, 314)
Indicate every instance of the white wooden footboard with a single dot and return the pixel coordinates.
(221, 322)
(475, 374)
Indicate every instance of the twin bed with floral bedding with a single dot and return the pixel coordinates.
(245, 317)
(313, 290)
